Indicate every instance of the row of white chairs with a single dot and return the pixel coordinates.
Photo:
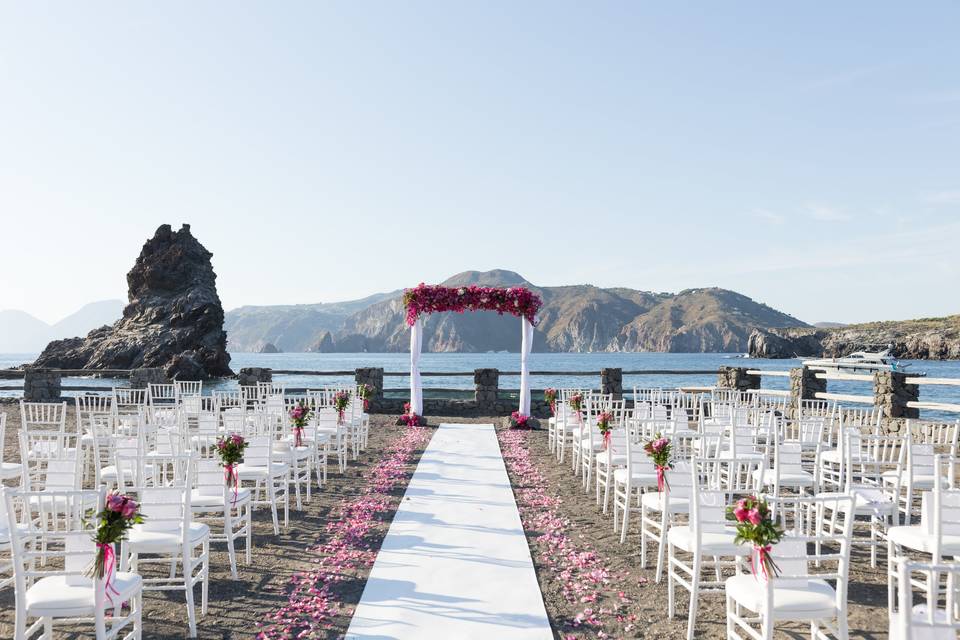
(728, 448)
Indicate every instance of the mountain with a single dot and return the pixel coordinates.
(573, 318)
(20, 332)
(298, 327)
(924, 338)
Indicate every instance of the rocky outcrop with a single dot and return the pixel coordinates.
(268, 347)
(174, 319)
(924, 339)
(325, 344)
(784, 343)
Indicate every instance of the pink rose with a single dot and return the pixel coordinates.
(129, 509)
(237, 439)
(753, 516)
(115, 502)
(740, 514)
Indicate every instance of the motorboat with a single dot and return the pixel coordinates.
(863, 361)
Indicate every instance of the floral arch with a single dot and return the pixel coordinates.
(425, 299)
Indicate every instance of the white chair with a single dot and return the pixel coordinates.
(659, 510)
(609, 460)
(8, 470)
(128, 401)
(802, 592)
(787, 471)
(269, 477)
(169, 535)
(50, 563)
(629, 482)
(161, 395)
(930, 620)
(707, 540)
(186, 388)
(213, 499)
(938, 533)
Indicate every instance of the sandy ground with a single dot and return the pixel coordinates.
(868, 617)
(236, 605)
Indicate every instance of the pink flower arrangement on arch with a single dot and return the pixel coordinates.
(517, 301)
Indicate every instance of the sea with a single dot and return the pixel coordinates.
(589, 363)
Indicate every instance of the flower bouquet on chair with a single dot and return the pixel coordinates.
(755, 526)
(230, 449)
(575, 402)
(119, 513)
(299, 417)
(341, 400)
(519, 420)
(603, 424)
(365, 392)
(550, 397)
(659, 450)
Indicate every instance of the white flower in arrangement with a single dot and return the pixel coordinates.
(461, 291)
(516, 303)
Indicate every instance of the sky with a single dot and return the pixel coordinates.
(806, 155)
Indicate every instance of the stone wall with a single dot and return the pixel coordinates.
(250, 376)
(41, 385)
(891, 393)
(804, 385)
(737, 378)
(140, 378)
(611, 381)
(372, 376)
(486, 389)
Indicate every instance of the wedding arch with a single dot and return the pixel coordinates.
(425, 299)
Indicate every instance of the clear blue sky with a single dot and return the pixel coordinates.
(805, 155)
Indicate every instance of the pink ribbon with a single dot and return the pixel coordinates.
(763, 554)
(553, 407)
(339, 416)
(230, 476)
(109, 564)
(297, 436)
(661, 476)
(366, 404)
(606, 439)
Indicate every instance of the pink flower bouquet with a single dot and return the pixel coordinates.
(603, 424)
(755, 526)
(519, 420)
(299, 417)
(550, 397)
(341, 400)
(119, 513)
(659, 450)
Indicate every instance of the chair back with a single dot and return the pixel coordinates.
(43, 416)
(185, 388)
(161, 394)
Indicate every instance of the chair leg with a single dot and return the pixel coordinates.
(228, 531)
(661, 543)
(249, 525)
(205, 585)
(191, 614)
(694, 596)
(271, 485)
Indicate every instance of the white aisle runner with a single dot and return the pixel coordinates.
(455, 563)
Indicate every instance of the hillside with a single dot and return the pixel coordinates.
(21, 332)
(575, 318)
(924, 338)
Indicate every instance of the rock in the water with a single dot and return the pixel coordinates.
(268, 347)
(174, 319)
(324, 344)
(790, 343)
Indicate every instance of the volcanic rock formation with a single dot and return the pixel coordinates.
(174, 319)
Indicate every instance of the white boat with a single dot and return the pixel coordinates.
(862, 361)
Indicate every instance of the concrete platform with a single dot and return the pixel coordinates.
(455, 562)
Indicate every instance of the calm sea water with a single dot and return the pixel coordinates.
(587, 362)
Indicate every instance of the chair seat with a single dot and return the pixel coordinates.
(654, 501)
(867, 501)
(713, 543)
(142, 540)
(249, 472)
(787, 479)
(919, 615)
(638, 478)
(792, 599)
(287, 451)
(920, 482)
(9, 470)
(200, 501)
(5, 532)
(916, 537)
(617, 460)
(742, 456)
(109, 472)
(64, 596)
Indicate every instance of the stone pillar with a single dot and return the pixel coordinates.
(140, 378)
(41, 385)
(611, 381)
(804, 385)
(250, 376)
(487, 385)
(372, 376)
(737, 378)
(891, 393)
